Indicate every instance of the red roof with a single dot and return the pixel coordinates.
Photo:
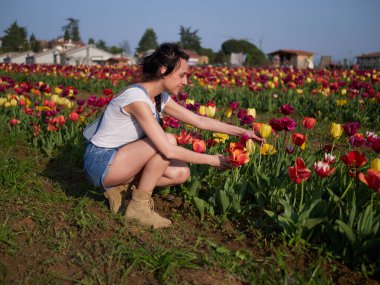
(292, 51)
(373, 54)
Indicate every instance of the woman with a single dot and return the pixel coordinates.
(130, 142)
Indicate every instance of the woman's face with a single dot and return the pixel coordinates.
(175, 81)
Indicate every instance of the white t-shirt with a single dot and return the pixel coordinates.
(118, 127)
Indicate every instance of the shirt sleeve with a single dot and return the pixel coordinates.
(164, 100)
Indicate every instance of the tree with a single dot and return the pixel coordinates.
(147, 42)
(189, 40)
(35, 45)
(101, 44)
(115, 49)
(15, 39)
(91, 41)
(254, 55)
(71, 30)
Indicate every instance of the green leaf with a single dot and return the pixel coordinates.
(194, 187)
(201, 206)
(270, 213)
(311, 223)
(347, 230)
(222, 200)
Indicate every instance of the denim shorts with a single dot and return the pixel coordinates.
(97, 161)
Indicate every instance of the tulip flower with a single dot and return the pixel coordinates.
(298, 139)
(288, 123)
(375, 164)
(199, 145)
(308, 122)
(356, 140)
(268, 149)
(219, 137)
(233, 105)
(372, 179)
(14, 122)
(290, 149)
(250, 145)
(351, 128)
(202, 110)
(210, 109)
(74, 116)
(329, 158)
(239, 155)
(354, 159)
(286, 109)
(228, 113)
(265, 130)
(299, 172)
(336, 130)
(184, 138)
(251, 112)
(323, 169)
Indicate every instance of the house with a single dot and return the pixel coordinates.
(194, 57)
(18, 58)
(369, 60)
(88, 54)
(51, 56)
(293, 58)
(5, 57)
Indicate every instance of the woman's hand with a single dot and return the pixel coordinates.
(255, 137)
(221, 162)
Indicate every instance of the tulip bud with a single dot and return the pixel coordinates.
(250, 146)
(336, 130)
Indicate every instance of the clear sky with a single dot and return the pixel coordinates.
(340, 28)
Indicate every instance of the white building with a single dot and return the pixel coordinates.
(88, 55)
(19, 58)
(51, 56)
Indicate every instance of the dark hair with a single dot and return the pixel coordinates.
(166, 55)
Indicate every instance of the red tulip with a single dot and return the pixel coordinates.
(14, 122)
(74, 116)
(329, 158)
(308, 122)
(298, 139)
(184, 138)
(323, 169)
(372, 179)
(299, 172)
(354, 159)
(199, 145)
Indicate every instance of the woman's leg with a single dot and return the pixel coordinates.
(141, 157)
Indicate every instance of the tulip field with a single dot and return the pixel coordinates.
(313, 183)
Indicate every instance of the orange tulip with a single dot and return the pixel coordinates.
(372, 179)
(199, 145)
(239, 155)
(308, 122)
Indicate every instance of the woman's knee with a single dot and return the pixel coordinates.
(182, 174)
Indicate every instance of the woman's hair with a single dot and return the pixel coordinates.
(166, 55)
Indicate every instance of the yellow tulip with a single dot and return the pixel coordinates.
(252, 112)
(57, 90)
(189, 101)
(202, 110)
(228, 113)
(375, 164)
(336, 130)
(343, 91)
(220, 137)
(13, 102)
(268, 149)
(210, 111)
(265, 130)
(54, 98)
(250, 145)
(303, 146)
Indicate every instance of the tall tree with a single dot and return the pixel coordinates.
(91, 41)
(15, 38)
(71, 30)
(190, 39)
(148, 41)
(35, 44)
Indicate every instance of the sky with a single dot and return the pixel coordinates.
(337, 28)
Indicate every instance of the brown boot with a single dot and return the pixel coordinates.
(141, 208)
(116, 197)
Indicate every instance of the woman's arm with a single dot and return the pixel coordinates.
(175, 110)
(143, 114)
